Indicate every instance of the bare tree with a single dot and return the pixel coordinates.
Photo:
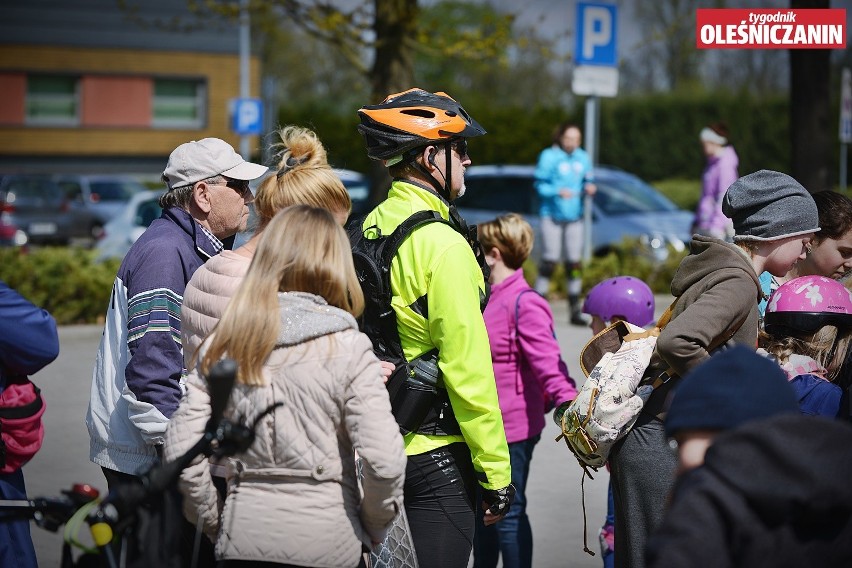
(669, 42)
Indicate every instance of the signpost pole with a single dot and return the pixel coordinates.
(595, 76)
(591, 144)
(245, 48)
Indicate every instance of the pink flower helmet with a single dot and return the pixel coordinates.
(623, 296)
(807, 303)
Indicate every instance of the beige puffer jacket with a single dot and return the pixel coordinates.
(206, 296)
(293, 497)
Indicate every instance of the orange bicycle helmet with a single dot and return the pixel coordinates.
(412, 119)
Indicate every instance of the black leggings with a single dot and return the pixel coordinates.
(440, 496)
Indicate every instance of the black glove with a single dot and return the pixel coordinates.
(499, 500)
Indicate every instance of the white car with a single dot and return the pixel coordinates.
(125, 228)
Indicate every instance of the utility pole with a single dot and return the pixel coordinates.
(245, 51)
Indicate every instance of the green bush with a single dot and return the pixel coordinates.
(684, 192)
(64, 281)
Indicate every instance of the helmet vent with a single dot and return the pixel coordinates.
(421, 112)
(450, 113)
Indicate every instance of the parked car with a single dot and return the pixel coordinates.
(39, 208)
(623, 207)
(358, 186)
(105, 194)
(126, 227)
(11, 235)
(355, 183)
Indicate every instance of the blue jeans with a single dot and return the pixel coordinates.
(16, 545)
(608, 555)
(512, 536)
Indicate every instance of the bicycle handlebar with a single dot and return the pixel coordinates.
(221, 437)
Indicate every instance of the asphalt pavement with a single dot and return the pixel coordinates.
(554, 491)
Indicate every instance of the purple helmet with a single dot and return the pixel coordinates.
(807, 303)
(623, 296)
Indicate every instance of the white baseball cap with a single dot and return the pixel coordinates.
(198, 160)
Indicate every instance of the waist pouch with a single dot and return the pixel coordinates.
(420, 407)
(21, 427)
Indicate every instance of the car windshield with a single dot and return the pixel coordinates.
(147, 212)
(114, 190)
(30, 190)
(500, 193)
(359, 193)
(625, 194)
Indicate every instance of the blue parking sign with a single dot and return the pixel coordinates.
(247, 116)
(596, 27)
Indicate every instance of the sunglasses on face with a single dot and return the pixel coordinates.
(239, 185)
(460, 147)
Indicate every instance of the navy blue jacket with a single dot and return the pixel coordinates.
(28, 337)
(137, 381)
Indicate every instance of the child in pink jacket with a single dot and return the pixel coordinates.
(531, 378)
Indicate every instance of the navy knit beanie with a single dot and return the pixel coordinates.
(768, 206)
(732, 387)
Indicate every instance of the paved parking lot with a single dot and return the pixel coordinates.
(554, 487)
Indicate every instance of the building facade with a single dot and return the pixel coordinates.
(113, 85)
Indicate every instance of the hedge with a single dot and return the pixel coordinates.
(653, 136)
(64, 281)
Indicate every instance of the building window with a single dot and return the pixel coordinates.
(179, 103)
(52, 100)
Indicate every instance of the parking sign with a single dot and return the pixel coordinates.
(596, 34)
(595, 55)
(247, 116)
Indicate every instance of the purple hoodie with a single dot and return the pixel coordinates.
(720, 173)
(531, 376)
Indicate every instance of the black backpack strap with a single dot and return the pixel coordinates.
(25, 411)
(402, 232)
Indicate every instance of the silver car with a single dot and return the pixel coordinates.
(623, 207)
(105, 194)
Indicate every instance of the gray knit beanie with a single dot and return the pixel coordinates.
(768, 206)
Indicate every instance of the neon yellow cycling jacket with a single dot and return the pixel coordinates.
(437, 262)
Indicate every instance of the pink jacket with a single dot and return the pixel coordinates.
(531, 376)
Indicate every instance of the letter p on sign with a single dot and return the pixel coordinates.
(247, 116)
(596, 35)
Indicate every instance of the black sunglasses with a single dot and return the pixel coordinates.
(460, 146)
(241, 186)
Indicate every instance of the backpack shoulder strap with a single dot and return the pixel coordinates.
(715, 344)
(667, 316)
(515, 334)
(395, 239)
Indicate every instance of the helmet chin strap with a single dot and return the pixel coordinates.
(443, 190)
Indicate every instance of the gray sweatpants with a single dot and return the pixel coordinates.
(642, 473)
(561, 239)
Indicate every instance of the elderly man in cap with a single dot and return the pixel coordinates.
(137, 380)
